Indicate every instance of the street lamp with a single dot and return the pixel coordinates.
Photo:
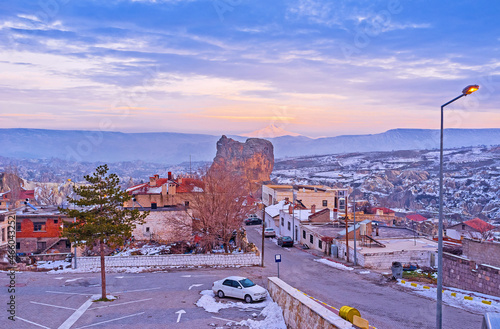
(439, 314)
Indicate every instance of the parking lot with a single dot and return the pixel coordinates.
(150, 300)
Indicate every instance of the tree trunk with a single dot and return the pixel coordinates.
(103, 272)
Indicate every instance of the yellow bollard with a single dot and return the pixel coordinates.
(348, 313)
(487, 302)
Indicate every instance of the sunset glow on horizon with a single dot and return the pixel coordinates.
(317, 68)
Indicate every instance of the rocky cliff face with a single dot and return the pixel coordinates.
(408, 180)
(254, 159)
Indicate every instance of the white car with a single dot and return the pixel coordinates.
(269, 232)
(239, 287)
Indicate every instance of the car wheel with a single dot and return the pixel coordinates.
(220, 294)
(248, 299)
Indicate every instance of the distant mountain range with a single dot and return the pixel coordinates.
(270, 131)
(174, 148)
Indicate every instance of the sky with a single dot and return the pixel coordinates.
(318, 68)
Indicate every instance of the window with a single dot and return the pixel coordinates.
(186, 203)
(18, 227)
(303, 234)
(18, 245)
(228, 283)
(147, 229)
(68, 244)
(40, 245)
(56, 221)
(325, 203)
(282, 221)
(289, 226)
(311, 239)
(320, 244)
(38, 227)
(3, 234)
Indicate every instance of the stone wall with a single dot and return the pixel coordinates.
(462, 273)
(301, 312)
(482, 252)
(224, 260)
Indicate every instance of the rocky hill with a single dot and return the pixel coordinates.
(253, 159)
(408, 180)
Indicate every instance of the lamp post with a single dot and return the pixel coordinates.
(439, 314)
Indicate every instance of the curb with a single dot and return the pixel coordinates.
(324, 304)
(452, 293)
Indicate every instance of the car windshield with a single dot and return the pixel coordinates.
(269, 229)
(247, 283)
(287, 238)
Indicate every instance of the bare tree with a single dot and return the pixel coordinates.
(220, 209)
(12, 182)
(47, 195)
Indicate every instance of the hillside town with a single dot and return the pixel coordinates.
(332, 224)
(231, 164)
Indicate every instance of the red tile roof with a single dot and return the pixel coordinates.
(479, 225)
(416, 217)
(190, 184)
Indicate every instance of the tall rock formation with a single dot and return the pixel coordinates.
(253, 160)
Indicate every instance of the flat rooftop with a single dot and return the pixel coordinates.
(401, 244)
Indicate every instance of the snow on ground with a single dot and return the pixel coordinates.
(109, 269)
(272, 313)
(475, 305)
(53, 264)
(333, 264)
(145, 250)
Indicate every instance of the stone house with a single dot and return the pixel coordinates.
(7, 222)
(24, 195)
(163, 192)
(319, 195)
(473, 229)
(167, 199)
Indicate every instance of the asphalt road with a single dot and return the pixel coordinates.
(158, 300)
(385, 305)
(144, 300)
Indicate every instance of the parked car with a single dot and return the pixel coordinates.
(253, 221)
(269, 232)
(239, 287)
(285, 241)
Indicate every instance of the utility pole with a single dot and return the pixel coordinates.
(355, 233)
(346, 229)
(263, 228)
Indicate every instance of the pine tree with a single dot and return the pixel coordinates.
(100, 218)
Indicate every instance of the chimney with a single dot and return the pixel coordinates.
(152, 181)
(169, 175)
(313, 209)
(290, 209)
(287, 200)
